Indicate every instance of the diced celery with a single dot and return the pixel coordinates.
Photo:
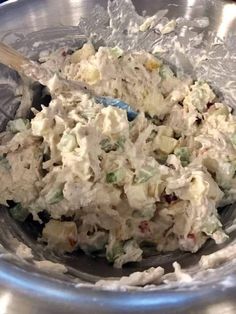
(132, 253)
(120, 142)
(18, 125)
(114, 252)
(95, 242)
(107, 145)
(209, 229)
(233, 139)
(18, 212)
(233, 163)
(144, 175)
(165, 72)
(211, 225)
(4, 163)
(54, 196)
(200, 95)
(111, 177)
(115, 176)
(117, 52)
(183, 154)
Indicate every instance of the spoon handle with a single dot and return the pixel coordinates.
(23, 65)
(118, 103)
(12, 58)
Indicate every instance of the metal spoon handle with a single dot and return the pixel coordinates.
(23, 65)
(12, 58)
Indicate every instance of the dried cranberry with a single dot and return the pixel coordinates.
(144, 226)
(191, 236)
(72, 241)
(169, 198)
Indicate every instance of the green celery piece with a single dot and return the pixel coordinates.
(18, 125)
(120, 142)
(233, 139)
(4, 163)
(111, 177)
(106, 145)
(54, 197)
(18, 212)
(183, 154)
(165, 72)
(144, 175)
(115, 176)
(117, 52)
(115, 252)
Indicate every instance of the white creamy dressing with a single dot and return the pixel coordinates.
(49, 266)
(215, 259)
(149, 278)
(24, 252)
(179, 275)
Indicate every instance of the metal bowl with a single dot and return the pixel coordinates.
(32, 26)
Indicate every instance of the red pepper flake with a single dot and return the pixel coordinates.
(144, 226)
(202, 151)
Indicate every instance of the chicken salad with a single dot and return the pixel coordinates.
(112, 185)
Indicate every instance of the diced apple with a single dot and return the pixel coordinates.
(84, 53)
(165, 144)
(165, 130)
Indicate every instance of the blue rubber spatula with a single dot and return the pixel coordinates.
(13, 59)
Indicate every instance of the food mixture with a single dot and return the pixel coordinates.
(112, 186)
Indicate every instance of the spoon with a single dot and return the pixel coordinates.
(23, 65)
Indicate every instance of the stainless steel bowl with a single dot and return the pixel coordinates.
(25, 289)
